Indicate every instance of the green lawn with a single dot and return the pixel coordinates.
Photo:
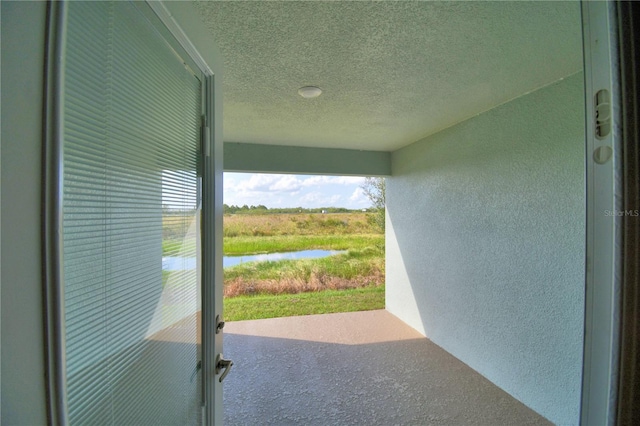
(285, 305)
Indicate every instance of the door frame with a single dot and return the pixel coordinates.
(600, 362)
(611, 365)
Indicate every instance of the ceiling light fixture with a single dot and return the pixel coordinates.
(309, 92)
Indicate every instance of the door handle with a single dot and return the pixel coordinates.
(223, 364)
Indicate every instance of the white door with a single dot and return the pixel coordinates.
(138, 188)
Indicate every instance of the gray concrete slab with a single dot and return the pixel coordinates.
(353, 369)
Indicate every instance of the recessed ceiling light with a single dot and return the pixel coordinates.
(308, 92)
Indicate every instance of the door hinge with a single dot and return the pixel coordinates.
(206, 137)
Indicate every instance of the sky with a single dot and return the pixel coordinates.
(277, 190)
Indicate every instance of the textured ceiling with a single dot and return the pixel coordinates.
(392, 72)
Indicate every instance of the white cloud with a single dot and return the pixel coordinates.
(229, 182)
(358, 198)
(257, 182)
(335, 180)
(357, 195)
(285, 190)
(319, 199)
(286, 183)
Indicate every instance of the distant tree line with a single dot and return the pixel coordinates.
(261, 209)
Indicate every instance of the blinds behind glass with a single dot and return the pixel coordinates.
(130, 125)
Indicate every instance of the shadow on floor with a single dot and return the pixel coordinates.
(318, 376)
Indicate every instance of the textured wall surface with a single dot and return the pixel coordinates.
(23, 384)
(485, 244)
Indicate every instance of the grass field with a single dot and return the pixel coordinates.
(347, 282)
(324, 302)
(268, 225)
(342, 283)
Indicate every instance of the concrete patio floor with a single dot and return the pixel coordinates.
(354, 369)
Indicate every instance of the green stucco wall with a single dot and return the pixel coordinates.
(485, 244)
(23, 381)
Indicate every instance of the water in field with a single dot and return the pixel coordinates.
(170, 263)
(292, 255)
(176, 263)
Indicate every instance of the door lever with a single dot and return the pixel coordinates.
(223, 364)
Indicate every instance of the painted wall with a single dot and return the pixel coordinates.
(248, 157)
(485, 244)
(23, 384)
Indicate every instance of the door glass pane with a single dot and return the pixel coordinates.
(131, 221)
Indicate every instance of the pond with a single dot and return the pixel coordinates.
(292, 255)
(171, 263)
